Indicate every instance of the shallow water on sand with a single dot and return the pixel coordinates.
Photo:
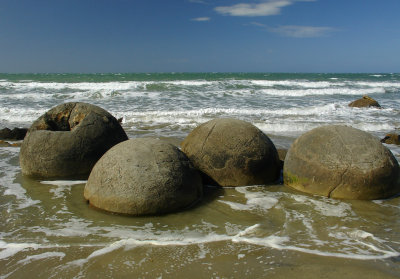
(48, 231)
(256, 231)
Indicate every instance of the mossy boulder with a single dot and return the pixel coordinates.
(68, 140)
(341, 162)
(231, 152)
(143, 176)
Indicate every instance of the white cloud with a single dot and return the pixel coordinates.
(265, 8)
(198, 1)
(201, 19)
(297, 31)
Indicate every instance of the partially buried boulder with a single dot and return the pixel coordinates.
(68, 140)
(143, 176)
(364, 102)
(341, 162)
(231, 152)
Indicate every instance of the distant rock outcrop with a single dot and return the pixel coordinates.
(341, 162)
(14, 134)
(391, 139)
(364, 102)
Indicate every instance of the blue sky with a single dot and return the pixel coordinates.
(199, 36)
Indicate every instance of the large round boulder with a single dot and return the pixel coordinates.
(341, 162)
(143, 176)
(68, 140)
(231, 152)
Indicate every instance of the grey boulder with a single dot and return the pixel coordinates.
(68, 140)
(143, 176)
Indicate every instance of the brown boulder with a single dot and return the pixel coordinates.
(231, 152)
(391, 139)
(365, 102)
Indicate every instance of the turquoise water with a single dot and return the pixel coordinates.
(47, 229)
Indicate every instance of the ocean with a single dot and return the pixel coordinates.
(267, 231)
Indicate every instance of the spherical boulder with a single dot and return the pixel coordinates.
(143, 176)
(231, 152)
(365, 102)
(341, 162)
(68, 140)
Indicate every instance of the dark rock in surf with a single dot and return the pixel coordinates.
(341, 162)
(364, 102)
(14, 134)
(68, 140)
(143, 176)
(231, 152)
(391, 139)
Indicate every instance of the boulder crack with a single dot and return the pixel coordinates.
(340, 182)
(208, 135)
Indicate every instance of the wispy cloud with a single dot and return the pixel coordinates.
(201, 19)
(298, 31)
(198, 1)
(265, 8)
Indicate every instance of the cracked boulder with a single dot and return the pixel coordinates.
(68, 140)
(341, 162)
(143, 176)
(231, 152)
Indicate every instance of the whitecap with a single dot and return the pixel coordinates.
(281, 243)
(63, 182)
(326, 207)
(45, 255)
(10, 249)
(9, 173)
